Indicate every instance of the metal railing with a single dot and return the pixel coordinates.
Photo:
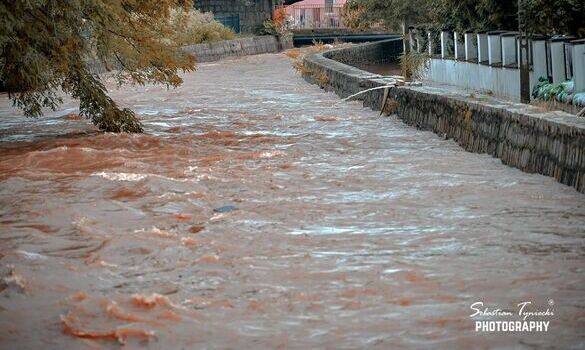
(314, 16)
(232, 22)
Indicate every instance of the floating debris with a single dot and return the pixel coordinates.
(196, 228)
(225, 209)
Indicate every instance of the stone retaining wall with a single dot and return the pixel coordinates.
(525, 137)
(215, 51)
(376, 52)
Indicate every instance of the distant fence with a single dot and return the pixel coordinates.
(314, 16)
(232, 22)
(489, 61)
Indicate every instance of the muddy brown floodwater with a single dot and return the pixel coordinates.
(385, 69)
(334, 227)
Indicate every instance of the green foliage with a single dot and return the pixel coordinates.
(275, 28)
(393, 13)
(542, 16)
(268, 27)
(461, 15)
(277, 25)
(556, 17)
(353, 15)
(47, 48)
(193, 27)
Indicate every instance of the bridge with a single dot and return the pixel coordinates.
(325, 23)
(303, 37)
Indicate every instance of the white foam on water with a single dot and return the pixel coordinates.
(121, 176)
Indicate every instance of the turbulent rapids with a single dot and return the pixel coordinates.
(259, 212)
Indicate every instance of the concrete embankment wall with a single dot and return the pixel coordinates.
(501, 81)
(525, 137)
(215, 51)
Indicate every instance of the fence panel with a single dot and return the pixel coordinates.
(232, 22)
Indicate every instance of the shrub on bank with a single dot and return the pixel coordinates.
(413, 65)
(193, 27)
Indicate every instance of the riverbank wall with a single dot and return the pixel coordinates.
(534, 140)
(254, 45)
(217, 50)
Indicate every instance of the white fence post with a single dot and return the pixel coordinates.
(459, 47)
(539, 59)
(494, 48)
(557, 60)
(446, 42)
(569, 57)
(579, 65)
(509, 49)
(470, 46)
(430, 41)
(482, 47)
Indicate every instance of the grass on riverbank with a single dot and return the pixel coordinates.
(297, 55)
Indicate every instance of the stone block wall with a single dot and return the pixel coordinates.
(548, 143)
(376, 52)
(208, 52)
(522, 136)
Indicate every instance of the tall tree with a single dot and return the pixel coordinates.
(461, 15)
(556, 17)
(394, 13)
(48, 47)
(543, 16)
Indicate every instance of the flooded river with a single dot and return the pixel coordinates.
(259, 212)
(385, 69)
